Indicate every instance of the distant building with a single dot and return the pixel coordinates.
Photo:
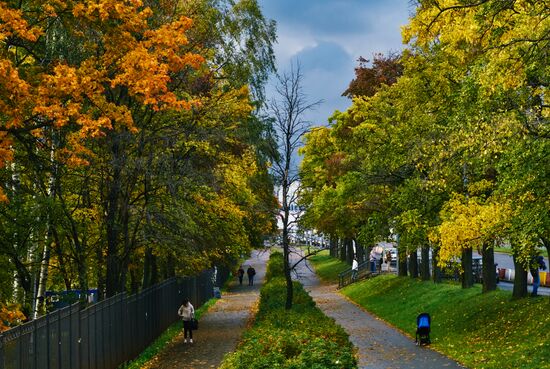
(294, 209)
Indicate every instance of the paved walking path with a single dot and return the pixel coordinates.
(220, 328)
(379, 346)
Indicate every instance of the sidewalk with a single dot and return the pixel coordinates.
(220, 328)
(379, 346)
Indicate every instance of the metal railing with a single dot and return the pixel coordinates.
(363, 271)
(106, 334)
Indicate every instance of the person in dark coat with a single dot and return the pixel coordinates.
(251, 272)
(537, 263)
(240, 274)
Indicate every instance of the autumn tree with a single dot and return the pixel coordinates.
(385, 70)
(498, 49)
(288, 109)
(123, 118)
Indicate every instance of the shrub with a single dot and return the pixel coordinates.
(300, 338)
(275, 267)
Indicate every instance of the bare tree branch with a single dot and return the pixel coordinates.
(288, 110)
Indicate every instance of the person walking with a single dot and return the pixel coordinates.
(354, 269)
(187, 313)
(240, 274)
(372, 261)
(251, 272)
(538, 263)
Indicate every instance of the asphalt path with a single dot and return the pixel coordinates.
(508, 286)
(379, 345)
(505, 260)
(220, 329)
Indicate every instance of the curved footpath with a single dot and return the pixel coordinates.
(379, 346)
(220, 328)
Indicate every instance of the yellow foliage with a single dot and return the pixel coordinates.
(468, 223)
(502, 34)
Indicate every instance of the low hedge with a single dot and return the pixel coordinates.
(300, 338)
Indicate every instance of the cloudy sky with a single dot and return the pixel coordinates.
(328, 36)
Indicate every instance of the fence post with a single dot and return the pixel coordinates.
(1, 351)
(119, 334)
(34, 343)
(59, 338)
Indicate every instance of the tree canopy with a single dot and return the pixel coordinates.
(130, 145)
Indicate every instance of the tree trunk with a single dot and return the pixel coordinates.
(134, 282)
(467, 276)
(111, 221)
(489, 271)
(343, 250)
(350, 255)
(425, 270)
(546, 243)
(402, 261)
(147, 265)
(360, 252)
(154, 270)
(43, 277)
(80, 243)
(520, 280)
(333, 247)
(22, 283)
(61, 260)
(413, 264)
(100, 272)
(437, 275)
(288, 278)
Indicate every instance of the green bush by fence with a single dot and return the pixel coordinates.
(300, 338)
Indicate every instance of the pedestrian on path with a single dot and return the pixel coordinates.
(187, 313)
(372, 260)
(538, 263)
(354, 269)
(251, 272)
(240, 274)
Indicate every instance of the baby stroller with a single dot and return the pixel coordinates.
(423, 323)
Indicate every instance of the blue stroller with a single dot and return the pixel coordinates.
(423, 323)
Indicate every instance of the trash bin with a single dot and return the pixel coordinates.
(217, 293)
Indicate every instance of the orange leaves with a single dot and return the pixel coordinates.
(14, 93)
(5, 151)
(131, 13)
(121, 64)
(167, 40)
(145, 70)
(12, 23)
(142, 73)
(10, 317)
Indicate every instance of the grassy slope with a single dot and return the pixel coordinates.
(327, 267)
(479, 330)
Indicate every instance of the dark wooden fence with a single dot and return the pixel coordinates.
(106, 334)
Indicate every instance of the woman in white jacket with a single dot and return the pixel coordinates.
(187, 312)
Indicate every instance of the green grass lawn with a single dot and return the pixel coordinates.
(479, 330)
(327, 267)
